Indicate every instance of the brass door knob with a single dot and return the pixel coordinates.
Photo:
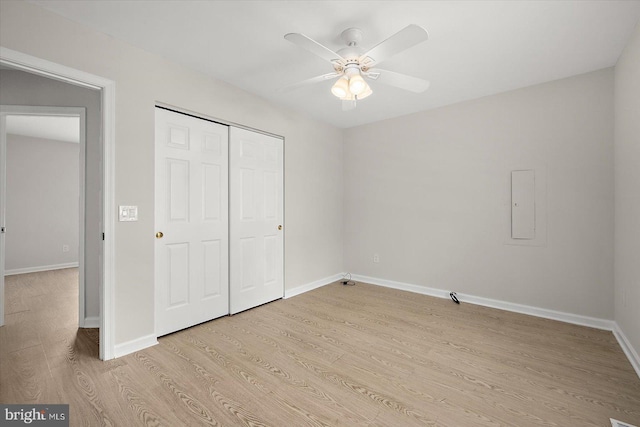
(280, 227)
(159, 235)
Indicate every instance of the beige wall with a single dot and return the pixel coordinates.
(627, 190)
(42, 202)
(313, 152)
(430, 193)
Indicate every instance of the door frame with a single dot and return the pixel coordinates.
(107, 88)
(29, 110)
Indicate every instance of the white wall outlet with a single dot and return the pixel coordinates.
(127, 213)
(376, 258)
(65, 248)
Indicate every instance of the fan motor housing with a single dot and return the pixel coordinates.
(352, 36)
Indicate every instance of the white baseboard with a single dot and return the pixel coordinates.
(135, 345)
(40, 268)
(628, 349)
(151, 340)
(439, 293)
(576, 319)
(91, 322)
(311, 286)
(593, 322)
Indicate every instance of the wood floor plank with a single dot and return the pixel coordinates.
(321, 392)
(275, 369)
(336, 356)
(235, 403)
(82, 385)
(25, 377)
(140, 400)
(18, 333)
(245, 381)
(508, 376)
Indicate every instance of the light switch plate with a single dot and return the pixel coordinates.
(128, 213)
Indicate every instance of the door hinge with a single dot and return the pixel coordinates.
(3, 229)
(102, 236)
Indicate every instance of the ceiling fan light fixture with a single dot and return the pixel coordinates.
(348, 97)
(345, 94)
(340, 88)
(357, 85)
(351, 65)
(365, 93)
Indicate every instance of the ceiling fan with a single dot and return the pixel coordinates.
(353, 67)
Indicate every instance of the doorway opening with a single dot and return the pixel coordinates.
(102, 260)
(44, 192)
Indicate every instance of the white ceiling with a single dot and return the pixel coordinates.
(57, 128)
(476, 48)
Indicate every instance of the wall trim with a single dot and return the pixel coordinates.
(628, 349)
(40, 268)
(424, 290)
(135, 345)
(91, 322)
(576, 319)
(288, 293)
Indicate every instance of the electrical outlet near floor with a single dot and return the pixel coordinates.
(376, 258)
(65, 248)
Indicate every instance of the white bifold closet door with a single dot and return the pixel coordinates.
(192, 224)
(256, 216)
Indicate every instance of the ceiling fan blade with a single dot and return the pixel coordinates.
(409, 36)
(348, 105)
(402, 81)
(312, 80)
(313, 47)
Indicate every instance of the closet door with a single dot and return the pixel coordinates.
(256, 209)
(191, 215)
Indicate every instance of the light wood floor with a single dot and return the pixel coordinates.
(352, 356)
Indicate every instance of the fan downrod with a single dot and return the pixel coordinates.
(352, 36)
